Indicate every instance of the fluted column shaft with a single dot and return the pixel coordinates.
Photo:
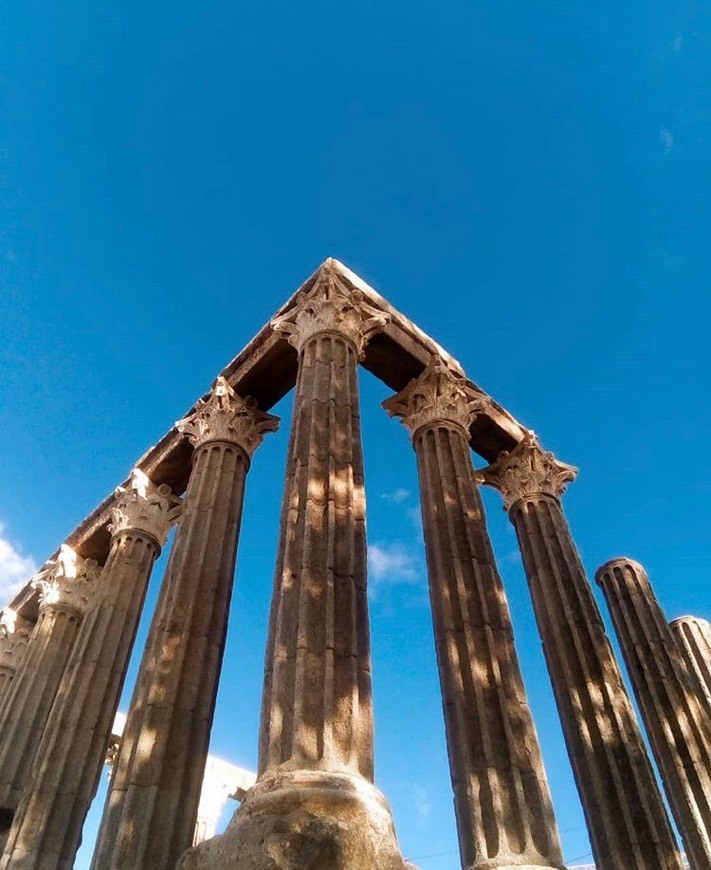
(66, 591)
(693, 637)
(623, 807)
(14, 637)
(314, 803)
(317, 697)
(502, 801)
(150, 813)
(46, 829)
(678, 726)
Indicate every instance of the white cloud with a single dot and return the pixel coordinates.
(392, 563)
(678, 43)
(398, 496)
(15, 568)
(421, 801)
(667, 141)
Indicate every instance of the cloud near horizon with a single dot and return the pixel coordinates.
(398, 496)
(392, 562)
(15, 567)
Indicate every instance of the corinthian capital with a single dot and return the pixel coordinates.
(331, 306)
(225, 416)
(12, 649)
(438, 395)
(11, 623)
(527, 470)
(67, 581)
(146, 507)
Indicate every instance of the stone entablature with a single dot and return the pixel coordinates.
(67, 581)
(527, 470)
(330, 306)
(316, 741)
(225, 416)
(145, 507)
(251, 372)
(438, 395)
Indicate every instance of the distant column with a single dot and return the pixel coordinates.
(693, 637)
(14, 637)
(66, 590)
(221, 781)
(157, 778)
(46, 829)
(626, 819)
(314, 804)
(678, 726)
(501, 797)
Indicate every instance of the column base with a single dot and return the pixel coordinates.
(507, 865)
(305, 820)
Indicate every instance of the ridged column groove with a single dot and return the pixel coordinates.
(31, 697)
(625, 815)
(46, 829)
(66, 591)
(693, 637)
(500, 783)
(502, 801)
(150, 813)
(314, 804)
(317, 700)
(14, 638)
(677, 723)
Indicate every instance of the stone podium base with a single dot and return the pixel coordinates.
(305, 820)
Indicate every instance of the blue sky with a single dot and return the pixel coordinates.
(527, 181)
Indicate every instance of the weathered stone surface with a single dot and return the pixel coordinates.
(677, 723)
(158, 772)
(693, 637)
(14, 637)
(304, 820)
(221, 781)
(623, 807)
(314, 805)
(67, 586)
(501, 796)
(317, 697)
(266, 368)
(46, 828)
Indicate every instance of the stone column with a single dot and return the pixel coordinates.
(501, 797)
(46, 829)
(678, 726)
(66, 589)
(314, 804)
(693, 637)
(623, 807)
(152, 804)
(14, 637)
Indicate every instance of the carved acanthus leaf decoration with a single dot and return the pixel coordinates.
(67, 581)
(11, 623)
(331, 306)
(527, 470)
(146, 507)
(438, 395)
(225, 416)
(14, 637)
